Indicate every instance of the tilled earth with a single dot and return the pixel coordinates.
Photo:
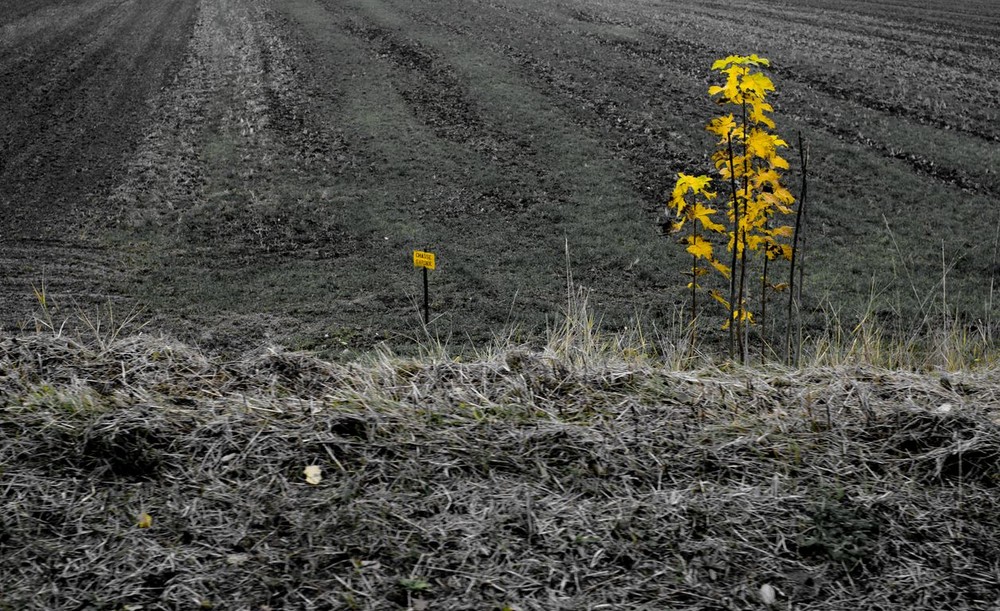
(78, 82)
(250, 169)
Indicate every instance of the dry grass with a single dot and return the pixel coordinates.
(524, 480)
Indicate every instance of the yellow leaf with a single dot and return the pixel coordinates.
(785, 231)
(312, 473)
(721, 160)
(722, 127)
(695, 184)
(744, 315)
(738, 60)
(731, 90)
(757, 110)
(732, 87)
(722, 269)
(704, 214)
(738, 243)
(699, 247)
(740, 314)
(145, 520)
(721, 64)
(754, 242)
(784, 196)
(768, 198)
(716, 295)
(766, 178)
(760, 144)
(755, 214)
(677, 202)
(757, 84)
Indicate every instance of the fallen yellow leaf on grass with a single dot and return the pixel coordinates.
(145, 520)
(312, 473)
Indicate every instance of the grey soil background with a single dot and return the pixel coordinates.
(260, 170)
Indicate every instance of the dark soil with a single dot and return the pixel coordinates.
(78, 83)
(264, 168)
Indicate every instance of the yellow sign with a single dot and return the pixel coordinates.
(423, 259)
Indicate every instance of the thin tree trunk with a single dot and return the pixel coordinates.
(741, 317)
(763, 310)
(794, 298)
(694, 287)
(803, 239)
(744, 328)
(736, 240)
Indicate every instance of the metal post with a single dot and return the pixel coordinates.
(427, 315)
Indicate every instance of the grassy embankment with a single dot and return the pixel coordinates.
(599, 468)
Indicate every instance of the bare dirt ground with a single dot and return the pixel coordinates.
(251, 169)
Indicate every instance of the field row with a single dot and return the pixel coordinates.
(275, 178)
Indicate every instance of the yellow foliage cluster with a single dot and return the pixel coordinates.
(747, 160)
(696, 212)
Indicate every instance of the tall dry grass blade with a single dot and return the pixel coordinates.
(994, 268)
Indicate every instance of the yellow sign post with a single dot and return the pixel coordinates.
(423, 259)
(426, 261)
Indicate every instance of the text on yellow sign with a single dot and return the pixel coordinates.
(423, 259)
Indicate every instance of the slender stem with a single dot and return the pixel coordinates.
(744, 328)
(803, 160)
(736, 233)
(763, 309)
(993, 279)
(427, 311)
(741, 312)
(694, 284)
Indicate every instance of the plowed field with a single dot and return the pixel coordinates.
(251, 169)
(78, 81)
